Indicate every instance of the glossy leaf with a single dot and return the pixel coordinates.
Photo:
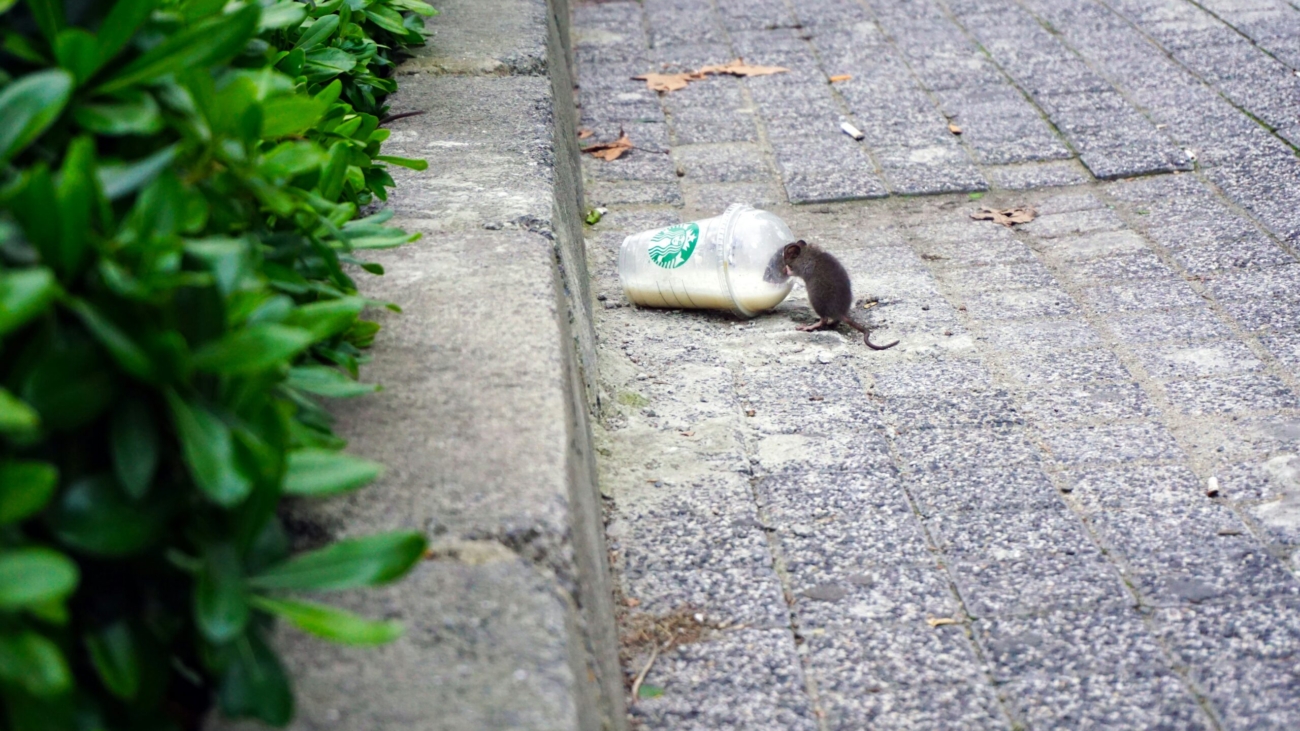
(207, 42)
(134, 442)
(254, 683)
(49, 17)
(134, 113)
(220, 602)
(34, 576)
(326, 381)
(126, 353)
(122, 179)
(252, 349)
(29, 106)
(94, 515)
(77, 194)
(209, 452)
(117, 658)
(347, 564)
(327, 318)
(318, 33)
(330, 623)
(77, 51)
(316, 472)
(120, 25)
(15, 415)
(282, 15)
(35, 663)
(24, 294)
(405, 162)
(25, 489)
(290, 115)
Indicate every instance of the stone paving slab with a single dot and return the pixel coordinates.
(1068, 499)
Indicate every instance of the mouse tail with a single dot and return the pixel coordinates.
(866, 334)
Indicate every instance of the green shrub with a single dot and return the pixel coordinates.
(180, 183)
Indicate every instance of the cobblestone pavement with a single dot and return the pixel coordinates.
(1081, 460)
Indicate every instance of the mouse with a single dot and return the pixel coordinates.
(829, 289)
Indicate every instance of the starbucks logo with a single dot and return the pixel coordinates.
(674, 245)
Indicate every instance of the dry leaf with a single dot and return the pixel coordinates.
(668, 82)
(941, 621)
(1007, 216)
(584, 133)
(740, 68)
(841, 77)
(954, 128)
(610, 151)
(688, 433)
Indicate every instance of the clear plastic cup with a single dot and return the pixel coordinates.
(728, 262)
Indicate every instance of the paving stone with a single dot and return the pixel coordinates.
(965, 706)
(991, 490)
(1092, 246)
(955, 410)
(1142, 295)
(1141, 265)
(1074, 223)
(1247, 253)
(1118, 640)
(750, 596)
(1278, 315)
(1091, 402)
(931, 377)
(1025, 303)
(1201, 359)
(816, 551)
(1133, 487)
(993, 588)
(1252, 694)
(1026, 275)
(1206, 637)
(1231, 394)
(1045, 367)
(1113, 443)
(1286, 348)
(1037, 175)
(850, 595)
(1041, 335)
(737, 680)
(712, 199)
(1106, 701)
(1193, 323)
(882, 658)
(937, 450)
(1258, 479)
(721, 163)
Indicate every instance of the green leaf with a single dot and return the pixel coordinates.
(69, 385)
(121, 179)
(328, 62)
(290, 115)
(134, 442)
(292, 158)
(330, 623)
(325, 381)
(5, 5)
(386, 18)
(94, 516)
(220, 602)
(209, 452)
(77, 51)
(318, 33)
(126, 353)
(34, 662)
(405, 162)
(415, 6)
(253, 349)
(29, 106)
(119, 27)
(16, 416)
(317, 473)
(24, 294)
(48, 15)
(116, 657)
(207, 42)
(255, 684)
(347, 564)
(649, 691)
(282, 15)
(25, 488)
(33, 576)
(335, 171)
(136, 113)
(327, 318)
(78, 198)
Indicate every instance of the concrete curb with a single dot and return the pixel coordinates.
(483, 424)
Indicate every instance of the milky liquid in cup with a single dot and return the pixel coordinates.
(728, 262)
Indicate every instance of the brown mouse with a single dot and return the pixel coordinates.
(829, 288)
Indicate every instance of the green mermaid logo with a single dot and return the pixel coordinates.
(678, 245)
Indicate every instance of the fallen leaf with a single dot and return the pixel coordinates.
(632, 602)
(750, 412)
(841, 77)
(688, 433)
(941, 621)
(953, 128)
(610, 151)
(649, 691)
(740, 68)
(584, 133)
(668, 82)
(1007, 216)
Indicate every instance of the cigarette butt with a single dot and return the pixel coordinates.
(841, 77)
(851, 131)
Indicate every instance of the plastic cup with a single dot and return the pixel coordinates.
(728, 262)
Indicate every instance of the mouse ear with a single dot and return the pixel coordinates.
(793, 250)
